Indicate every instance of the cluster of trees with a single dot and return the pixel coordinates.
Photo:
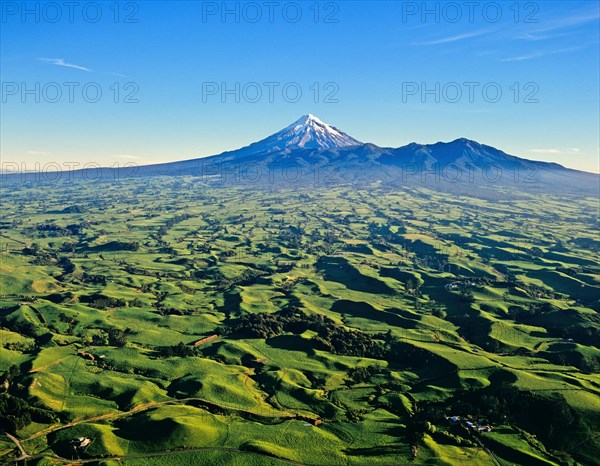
(528, 314)
(268, 325)
(322, 243)
(362, 374)
(160, 306)
(537, 292)
(584, 334)
(548, 416)
(49, 229)
(203, 248)
(22, 326)
(573, 271)
(73, 209)
(380, 233)
(114, 337)
(536, 251)
(16, 412)
(41, 257)
(100, 301)
(117, 246)
(52, 230)
(413, 288)
(291, 237)
(436, 262)
(433, 307)
(331, 336)
(480, 281)
(76, 229)
(67, 265)
(71, 322)
(590, 244)
(173, 311)
(180, 350)
(92, 279)
(172, 222)
(21, 346)
(589, 364)
(247, 277)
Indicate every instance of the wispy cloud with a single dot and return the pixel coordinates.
(545, 151)
(450, 39)
(582, 17)
(550, 25)
(135, 160)
(537, 37)
(555, 151)
(37, 152)
(61, 62)
(541, 53)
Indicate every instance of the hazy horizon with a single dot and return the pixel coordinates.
(389, 73)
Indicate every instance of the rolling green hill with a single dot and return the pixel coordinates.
(170, 321)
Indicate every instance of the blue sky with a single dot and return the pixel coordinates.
(386, 72)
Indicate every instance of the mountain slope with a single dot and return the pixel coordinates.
(308, 132)
(309, 145)
(309, 140)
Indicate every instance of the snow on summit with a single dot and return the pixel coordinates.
(308, 132)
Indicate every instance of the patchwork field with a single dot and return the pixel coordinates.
(173, 322)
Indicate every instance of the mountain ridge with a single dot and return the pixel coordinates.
(309, 145)
(441, 151)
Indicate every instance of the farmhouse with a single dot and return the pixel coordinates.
(478, 426)
(80, 442)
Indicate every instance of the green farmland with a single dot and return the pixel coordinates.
(344, 326)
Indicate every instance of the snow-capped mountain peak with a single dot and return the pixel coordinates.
(308, 132)
(308, 120)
